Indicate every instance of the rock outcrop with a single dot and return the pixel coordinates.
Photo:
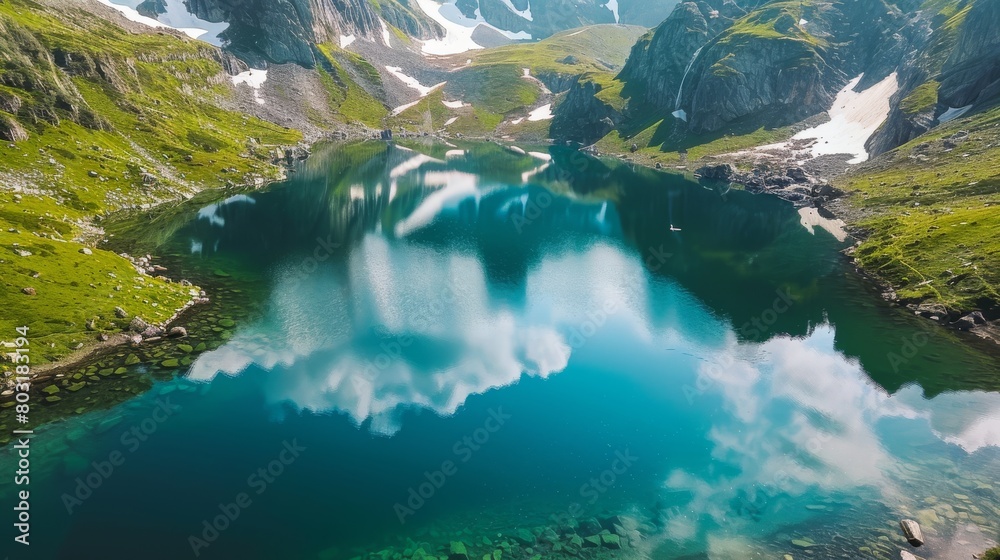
(582, 116)
(281, 31)
(971, 76)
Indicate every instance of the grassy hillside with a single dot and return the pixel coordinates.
(113, 120)
(494, 82)
(933, 214)
(571, 53)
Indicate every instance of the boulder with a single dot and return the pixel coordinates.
(458, 551)
(120, 313)
(138, 325)
(86, 251)
(592, 541)
(911, 530)
(589, 527)
(932, 310)
(717, 172)
(179, 332)
(524, 537)
(798, 174)
(12, 130)
(965, 323)
(28, 291)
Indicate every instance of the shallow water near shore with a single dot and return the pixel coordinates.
(460, 344)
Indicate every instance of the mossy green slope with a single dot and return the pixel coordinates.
(934, 207)
(135, 120)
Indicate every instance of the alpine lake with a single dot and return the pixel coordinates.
(459, 351)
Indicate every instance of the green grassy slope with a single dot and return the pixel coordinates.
(495, 85)
(934, 207)
(114, 120)
(570, 53)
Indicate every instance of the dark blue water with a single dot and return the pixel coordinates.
(458, 344)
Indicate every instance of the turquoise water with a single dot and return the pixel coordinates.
(462, 343)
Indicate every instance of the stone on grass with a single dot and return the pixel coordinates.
(28, 291)
(86, 251)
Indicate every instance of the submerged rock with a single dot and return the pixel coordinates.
(911, 530)
(458, 551)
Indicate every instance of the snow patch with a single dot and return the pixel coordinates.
(386, 36)
(542, 113)
(526, 14)
(253, 78)
(402, 108)
(953, 113)
(458, 28)
(131, 14)
(453, 104)
(803, 22)
(811, 219)
(412, 82)
(517, 121)
(854, 117)
(451, 121)
(346, 40)
(613, 6)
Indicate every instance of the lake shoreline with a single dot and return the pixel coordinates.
(843, 209)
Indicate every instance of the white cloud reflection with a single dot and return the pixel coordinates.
(401, 325)
(798, 416)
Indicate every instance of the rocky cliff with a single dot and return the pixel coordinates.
(711, 63)
(952, 69)
(280, 31)
(717, 65)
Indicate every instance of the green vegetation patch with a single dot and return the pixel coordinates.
(934, 230)
(922, 99)
(134, 121)
(347, 98)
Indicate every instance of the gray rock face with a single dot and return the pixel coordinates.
(972, 73)
(721, 66)
(659, 60)
(582, 117)
(717, 64)
(280, 31)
